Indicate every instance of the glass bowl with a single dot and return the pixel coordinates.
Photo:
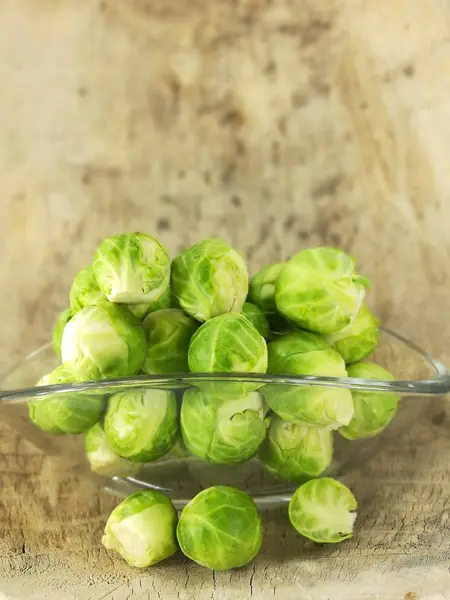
(180, 475)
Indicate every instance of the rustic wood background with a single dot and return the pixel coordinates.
(275, 124)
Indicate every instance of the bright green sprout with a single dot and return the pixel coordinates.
(223, 431)
(220, 528)
(262, 293)
(71, 412)
(169, 333)
(142, 529)
(373, 410)
(85, 291)
(210, 279)
(132, 268)
(101, 457)
(256, 317)
(142, 425)
(304, 353)
(319, 290)
(296, 451)
(358, 339)
(102, 342)
(323, 510)
(228, 344)
(58, 330)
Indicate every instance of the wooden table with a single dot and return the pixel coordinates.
(276, 125)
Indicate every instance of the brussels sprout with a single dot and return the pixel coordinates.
(256, 317)
(220, 528)
(262, 288)
(140, 311)
(132, 268)
(262, 293)
(296, 451)
(228, 344)
(210, 279)
(323, 510)
(373, 410)
(223, 431)
(102, 342)
(85, 291)
(142, 425)
(58, 330)
(71, 412)
(304, 353)
(142, 529)
(101, 457)
(169, 333)
(358, 339)
(319, 290)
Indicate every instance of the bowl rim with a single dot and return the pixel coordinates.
(439, 385)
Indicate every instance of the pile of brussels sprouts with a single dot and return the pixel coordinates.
(134, 312)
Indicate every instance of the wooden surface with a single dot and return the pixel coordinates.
(274, 124)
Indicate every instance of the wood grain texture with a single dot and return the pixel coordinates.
(276, 125)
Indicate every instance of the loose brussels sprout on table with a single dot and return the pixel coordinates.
(101, 457)
(228, 344)
(71, 412)
(256, 317)
(319, 290)
(102, 342)
(296, 451)
(357, 340)
(169, 333)
(323, 510)
(305, 353)
(58, 330)
(132, 268)
(373, 410)
(142, 529)
(210, 279)
(223, 431)
(142, 425)
(220, 528)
